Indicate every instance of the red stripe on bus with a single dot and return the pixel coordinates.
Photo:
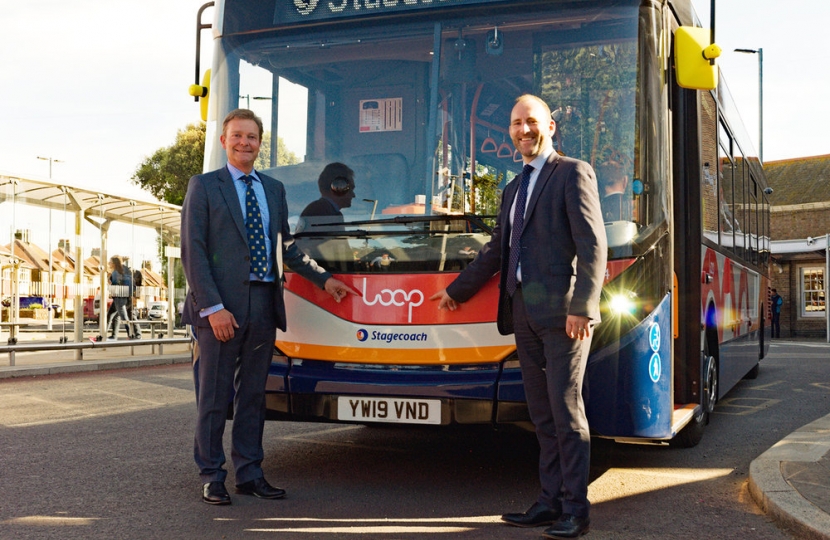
(398, 299)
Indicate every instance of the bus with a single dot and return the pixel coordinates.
(415, 96)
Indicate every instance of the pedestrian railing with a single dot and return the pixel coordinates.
(12, 350)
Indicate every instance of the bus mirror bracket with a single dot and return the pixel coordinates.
(202, 94)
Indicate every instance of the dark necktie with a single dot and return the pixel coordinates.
(255, 231)
(516, 230)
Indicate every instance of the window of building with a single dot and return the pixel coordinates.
(812, 301)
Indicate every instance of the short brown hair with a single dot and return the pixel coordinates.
(243, 114)
(537, 99)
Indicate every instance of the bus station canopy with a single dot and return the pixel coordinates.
(94, 205)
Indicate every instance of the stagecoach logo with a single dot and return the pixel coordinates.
(391, 337)
(307, 7)
(398, 297)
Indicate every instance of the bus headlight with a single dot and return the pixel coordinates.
(623, 303)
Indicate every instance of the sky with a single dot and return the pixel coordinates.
(99, 85)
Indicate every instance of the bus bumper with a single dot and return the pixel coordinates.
(305, 390)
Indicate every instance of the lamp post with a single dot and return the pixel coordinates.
(50, 296)
(760, 52)
(249, 97)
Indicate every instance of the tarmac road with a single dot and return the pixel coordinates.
(107, 454)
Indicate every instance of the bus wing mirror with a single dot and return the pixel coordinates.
(694, 58)
(202, 93)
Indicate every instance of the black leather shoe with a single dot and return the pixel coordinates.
(215, 493)
(536, 516)
(568, 526)
(260, 487)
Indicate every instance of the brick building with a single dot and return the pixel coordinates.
(800, 224)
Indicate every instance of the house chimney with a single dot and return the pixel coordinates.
(63, 244)
(23, 235)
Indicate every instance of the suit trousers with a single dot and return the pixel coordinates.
(553, 368)
(236, 369)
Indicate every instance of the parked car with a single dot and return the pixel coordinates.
(92, 307)
(157, 311)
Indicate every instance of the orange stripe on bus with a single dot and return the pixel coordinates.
(461, 355)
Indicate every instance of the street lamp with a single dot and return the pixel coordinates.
(760, 52)
(249, 97)
(51, 160)
(50, 295)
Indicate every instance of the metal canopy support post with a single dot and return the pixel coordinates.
(104, 284)
(14, 309)
(172, 253)
(50, 295)
(64, 266)
(78, 303)
(79, 274)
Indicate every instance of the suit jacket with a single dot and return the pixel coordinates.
(215, 250)
(564, 249)
(321, 211)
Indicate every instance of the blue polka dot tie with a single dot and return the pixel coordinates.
(255, 231)
(516, 231)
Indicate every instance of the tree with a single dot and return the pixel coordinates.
(165, 174)
(284, 155)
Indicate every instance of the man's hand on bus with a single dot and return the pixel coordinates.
(444, 300)
(578, 327)
(338, 290)
(223, 323)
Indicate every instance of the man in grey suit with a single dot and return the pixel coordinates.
(235, 240)
(549, 245)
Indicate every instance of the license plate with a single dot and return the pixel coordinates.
(392, 410)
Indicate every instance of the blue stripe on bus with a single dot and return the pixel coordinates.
(623, 399)
(327, 378)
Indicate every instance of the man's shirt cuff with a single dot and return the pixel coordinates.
(211, 310)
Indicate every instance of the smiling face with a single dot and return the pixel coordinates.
(531, 128)
(241, 142)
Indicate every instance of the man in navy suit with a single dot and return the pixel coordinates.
(235, 303)
(549, 245)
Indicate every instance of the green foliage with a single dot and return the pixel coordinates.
(487, 192)
(166, 173)
(284, 156)
(592, 91)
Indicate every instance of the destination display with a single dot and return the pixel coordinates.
(293, 11)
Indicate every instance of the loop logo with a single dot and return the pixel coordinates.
(398, 297)
(362, 335)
